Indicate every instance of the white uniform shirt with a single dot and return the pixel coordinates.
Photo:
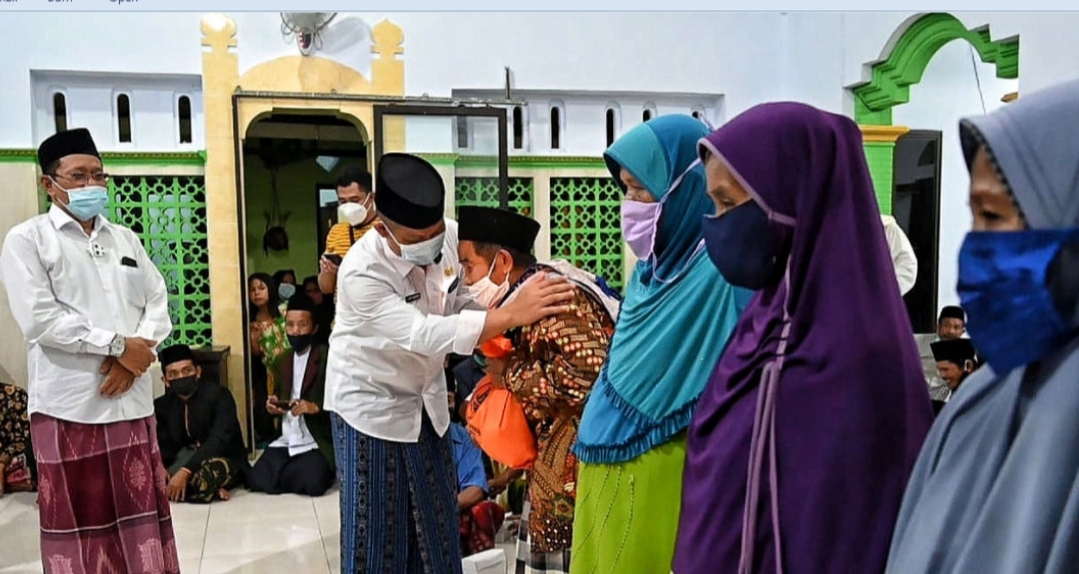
(294, 432)
(903, 258)
(395, 324)
(71, 295)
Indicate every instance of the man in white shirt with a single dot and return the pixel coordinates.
(903, 258)
(401, 309)
(301, 461)
(92, 306)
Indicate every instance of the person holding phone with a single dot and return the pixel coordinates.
(356, 215)
(301, 460)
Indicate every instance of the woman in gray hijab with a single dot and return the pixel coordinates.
(996, 487)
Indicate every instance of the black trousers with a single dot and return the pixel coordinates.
(278, 473)
(265, 429)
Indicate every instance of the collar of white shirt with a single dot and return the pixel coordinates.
(60, 219)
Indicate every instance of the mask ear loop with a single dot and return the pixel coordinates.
(764, 436)
(700, 244)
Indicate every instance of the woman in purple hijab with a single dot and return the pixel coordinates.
(819, 393)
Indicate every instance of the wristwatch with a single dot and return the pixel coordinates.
(117, 346)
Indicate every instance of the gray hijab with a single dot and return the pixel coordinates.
(996, 487)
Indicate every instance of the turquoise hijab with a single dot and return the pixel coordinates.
(678, 310)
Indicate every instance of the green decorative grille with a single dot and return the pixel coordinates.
(586, 226)
(483, 191)
(169, 214)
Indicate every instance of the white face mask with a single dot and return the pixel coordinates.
(354, 213)
(486, 292)
(423, 253)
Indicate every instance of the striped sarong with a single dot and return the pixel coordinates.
(398, 503)
(102, 497)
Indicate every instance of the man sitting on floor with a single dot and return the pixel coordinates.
(301, 461)
(480, 518)
(198, 431)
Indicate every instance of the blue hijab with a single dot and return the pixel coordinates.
(996, 488)
(678, 310)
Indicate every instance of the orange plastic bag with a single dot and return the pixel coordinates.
(496, 420)
(497, 423)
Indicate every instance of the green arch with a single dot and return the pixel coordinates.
(909, 56)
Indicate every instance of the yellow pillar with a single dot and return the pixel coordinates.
(220, 77)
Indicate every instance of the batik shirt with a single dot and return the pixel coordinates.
(14, 423)
(551, 372)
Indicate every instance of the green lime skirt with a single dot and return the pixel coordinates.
(626, 517)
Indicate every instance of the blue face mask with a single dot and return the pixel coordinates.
(86, 203)
(1012, 316)
(743, 247)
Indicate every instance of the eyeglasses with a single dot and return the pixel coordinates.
(83, 179)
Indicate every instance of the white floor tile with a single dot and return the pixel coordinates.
(184, 515)
(20, 537)
(263, 509)
(271, 534)
(190, 566)
(190, 541)
(252, 533)
(28, 568)
(19, 509)
(306, 559)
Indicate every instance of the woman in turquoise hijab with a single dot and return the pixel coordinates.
(673, 324)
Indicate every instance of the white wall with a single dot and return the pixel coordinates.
(722, 53)
(745, 56)
(91, 102)
(583, 117)
(129, 42)
(825, 52)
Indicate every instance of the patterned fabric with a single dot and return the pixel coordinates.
(274, 344)
(17, 476)
(530, 561)
(551, 372)
(212, 476)
(103, 503)
(479, 525)
(341, 238)
(14, 426)
(398, 504)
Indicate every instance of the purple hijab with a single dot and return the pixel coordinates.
(821, 385)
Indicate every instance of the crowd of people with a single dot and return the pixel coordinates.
(754, 402)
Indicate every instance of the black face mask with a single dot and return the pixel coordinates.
(184, 387)
(300, 343)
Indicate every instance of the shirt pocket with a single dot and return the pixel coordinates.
(132, 286)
